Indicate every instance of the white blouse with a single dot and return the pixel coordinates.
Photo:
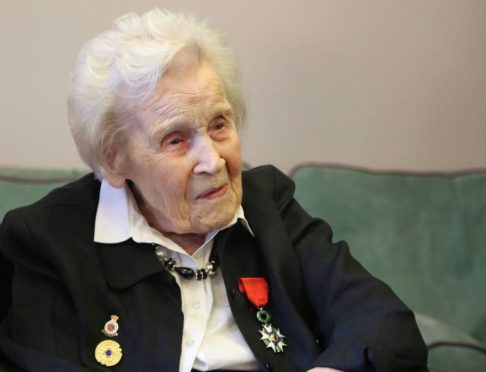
(210, 339)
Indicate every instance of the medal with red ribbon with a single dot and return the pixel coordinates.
(256, 291)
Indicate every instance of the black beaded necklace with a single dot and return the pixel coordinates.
(186, 272)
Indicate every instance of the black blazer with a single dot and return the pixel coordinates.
(65, 287)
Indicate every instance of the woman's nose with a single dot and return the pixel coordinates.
(208, 158)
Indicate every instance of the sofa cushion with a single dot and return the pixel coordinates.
(423, 234)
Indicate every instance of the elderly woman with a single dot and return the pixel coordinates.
(172, 259)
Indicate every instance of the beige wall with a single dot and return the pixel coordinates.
(385, 84)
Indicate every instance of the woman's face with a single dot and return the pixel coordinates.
(183, 153)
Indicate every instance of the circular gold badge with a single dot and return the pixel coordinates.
(108, 353)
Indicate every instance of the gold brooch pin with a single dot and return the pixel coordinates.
(108, 353)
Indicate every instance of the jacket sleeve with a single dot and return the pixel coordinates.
(40, 332)
(361, 323)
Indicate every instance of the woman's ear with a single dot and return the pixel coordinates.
(115, 172)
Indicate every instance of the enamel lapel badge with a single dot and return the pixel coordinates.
(111, 327)
(109, 352)
(256, 291)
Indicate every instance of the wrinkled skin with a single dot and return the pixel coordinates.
(183, 155)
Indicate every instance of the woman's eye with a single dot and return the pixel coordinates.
(175, 141)
(218, 125)
(219, 129)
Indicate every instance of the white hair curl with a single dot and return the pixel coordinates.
(123, 66)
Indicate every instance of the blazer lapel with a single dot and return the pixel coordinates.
(118, 261)
(240, 257)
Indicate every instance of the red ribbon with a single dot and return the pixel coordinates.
(256, 290)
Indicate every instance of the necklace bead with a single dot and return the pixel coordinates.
(186, 272)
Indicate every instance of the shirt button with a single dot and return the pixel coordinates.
(190, 343)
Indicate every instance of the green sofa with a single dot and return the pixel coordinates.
(423, 234)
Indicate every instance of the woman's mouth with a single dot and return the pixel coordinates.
(213, 193)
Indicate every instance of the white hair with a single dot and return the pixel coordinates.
(123, 66)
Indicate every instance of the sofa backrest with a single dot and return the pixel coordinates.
(20, 187)
(424, 235)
